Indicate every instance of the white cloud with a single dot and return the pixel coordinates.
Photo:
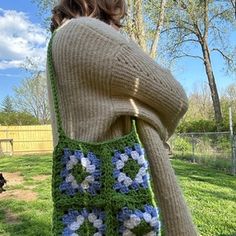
(20, 39)
(4, 64)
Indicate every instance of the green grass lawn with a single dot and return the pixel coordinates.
(211, 196)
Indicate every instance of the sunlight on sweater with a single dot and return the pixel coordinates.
(134, 106)
(72, 134)
(136, 85)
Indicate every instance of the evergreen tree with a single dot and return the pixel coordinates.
(7, 105)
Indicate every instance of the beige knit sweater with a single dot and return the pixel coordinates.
(102, 80)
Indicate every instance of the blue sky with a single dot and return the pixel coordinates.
(22, 34)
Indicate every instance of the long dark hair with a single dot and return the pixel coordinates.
(109, 11)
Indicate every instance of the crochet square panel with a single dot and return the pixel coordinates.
(130, 169)
(139, 222)
(83, 222)
(81, 173)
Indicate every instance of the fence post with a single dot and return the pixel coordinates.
(193, 148)
(7, 134)
(234, 154)
(232, 140)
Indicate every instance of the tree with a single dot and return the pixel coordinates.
(7, 104)
(228, 99)
(200, 105)
(45, 5)
(183, 25)
(147, 35)
(200, 113)
(203, 23)
(17, 118)
(31, 97)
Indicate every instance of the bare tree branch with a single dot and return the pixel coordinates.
(233, 2)
(228, 59)
(184, 41)
(198, 33)
(169, 29)
(184, 25)
(187, 55)
(206, 20)
(181, 4)
(218, 14)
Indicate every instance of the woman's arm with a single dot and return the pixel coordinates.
(176, 216)
(139, 77)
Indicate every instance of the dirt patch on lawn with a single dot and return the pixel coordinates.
(11, 217)
(25, 195)
(40, 177)
(18, 194)
(13, 178)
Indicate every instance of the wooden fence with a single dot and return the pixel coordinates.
(28, 139)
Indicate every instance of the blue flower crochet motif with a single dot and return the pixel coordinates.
(74, 219)
(123, 182)
(131, 219)
(91, 167)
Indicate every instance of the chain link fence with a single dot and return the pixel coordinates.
(210, 149)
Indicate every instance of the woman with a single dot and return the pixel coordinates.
(102, 80)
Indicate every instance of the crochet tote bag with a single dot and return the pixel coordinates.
(100, 188)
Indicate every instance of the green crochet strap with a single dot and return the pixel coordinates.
(52, 78)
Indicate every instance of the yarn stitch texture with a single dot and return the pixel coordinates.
(100, 188)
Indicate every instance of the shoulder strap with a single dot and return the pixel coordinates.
(133, 124)
(52, 78)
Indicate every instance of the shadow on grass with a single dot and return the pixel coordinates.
(203, 174)
(233, 234)
(27, 165)
(217, 194)
(28, 227)
(26, 224)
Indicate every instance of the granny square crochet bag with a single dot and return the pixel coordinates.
(100, 188)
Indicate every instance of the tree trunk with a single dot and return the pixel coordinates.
(138, 19)
(212, 84)
(160, 22)
(129, 26)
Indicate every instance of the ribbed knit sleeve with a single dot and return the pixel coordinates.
(138, 76)
(176, 215)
